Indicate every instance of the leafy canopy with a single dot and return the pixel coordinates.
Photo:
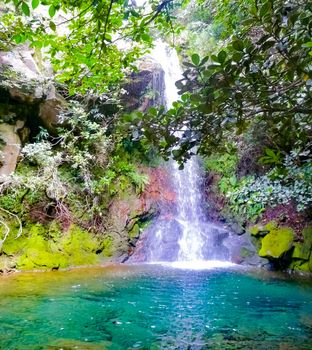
(262, 76)
(91, 44)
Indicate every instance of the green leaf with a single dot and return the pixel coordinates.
(233, 181)
(145, 37)
(204, 60)
(35, 3)
(269, 152)
(52, 10)
(266, 7)
(188, 64)
(237, 56)
(195, 59)
(185, 97)
(215, 58)
(308, 44)
(17, 38)
(25, 8)
(179, 84)
(238, 45)
(222, 56)
(153, 111)
(52, 26)
(268, 44)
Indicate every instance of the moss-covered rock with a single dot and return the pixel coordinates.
(301, 251)
(302, 257)
(107, 247)
(42, 248)
(278, 242)
(79, 246)
(260, 230)
(254, 230)
(270, 226)
(41, 259)
(246, 253)
(135, 231)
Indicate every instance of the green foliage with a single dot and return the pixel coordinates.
(262, 75)
(224, 164)
(254, 194)
(74, 176)
(271, 157)
(207, 23)
(96, 43)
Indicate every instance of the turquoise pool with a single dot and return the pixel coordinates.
(154, 307)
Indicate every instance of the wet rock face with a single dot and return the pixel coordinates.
(145, 87)
(129, 217)
(165, 248)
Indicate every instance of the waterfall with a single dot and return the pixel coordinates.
(187, 237)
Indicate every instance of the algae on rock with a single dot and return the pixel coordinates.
(276, 243)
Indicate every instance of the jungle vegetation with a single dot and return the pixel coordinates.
(245, 107)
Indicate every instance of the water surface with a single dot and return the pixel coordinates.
(154, 307)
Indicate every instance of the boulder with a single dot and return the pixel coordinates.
(260, 230)
(11, 147)
(302, 257)
(277, 243)
(301, 251)
(21, 61)
(50, 108)
(29, 92)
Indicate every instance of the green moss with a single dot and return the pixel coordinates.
(245, 253)
(275, 244)
(270, 226)
(76, 247)
(11, 245)
(301, 251)
(77, 239)
(254, 230)
(107, 247)
(38, 252)
(54, 230)
(41, 259)
(135, 231)
(307, 236)
(80, 246)
(258, 231)
(301, 265)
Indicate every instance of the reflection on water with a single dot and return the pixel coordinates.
(154, 307)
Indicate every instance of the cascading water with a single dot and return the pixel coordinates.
(186, 181)
(186, 236)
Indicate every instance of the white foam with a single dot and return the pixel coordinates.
(197, 264)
